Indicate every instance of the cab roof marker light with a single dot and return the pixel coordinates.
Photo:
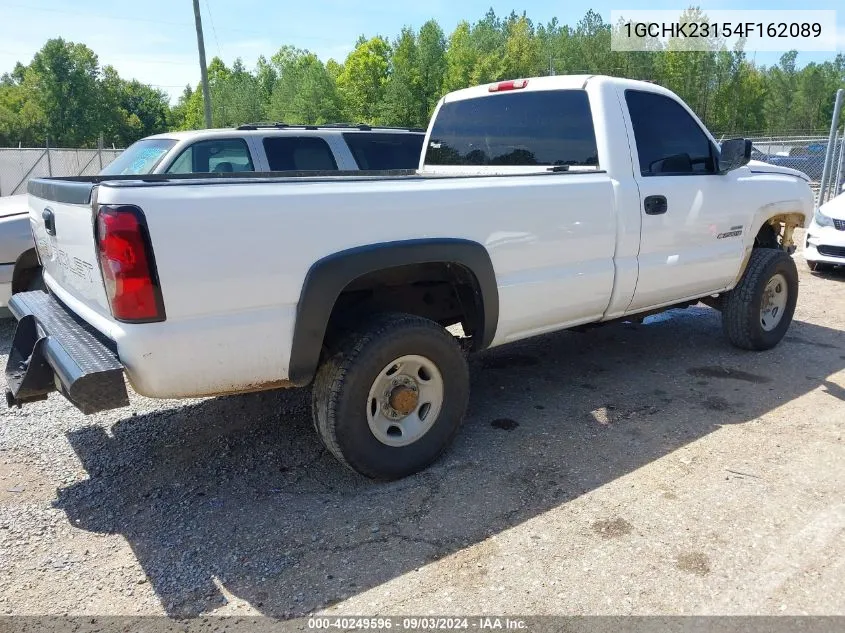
(514, 84)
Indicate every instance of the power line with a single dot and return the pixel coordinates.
(213, 30)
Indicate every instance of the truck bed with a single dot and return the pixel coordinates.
(77, 189)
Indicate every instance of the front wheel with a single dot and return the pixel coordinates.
(758, 311)
(392, 397)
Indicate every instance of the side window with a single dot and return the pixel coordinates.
(669, 141)
(214, 155)
(183, 164)
(385, 150)
(299, 153)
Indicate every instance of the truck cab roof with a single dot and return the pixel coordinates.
(555, 82)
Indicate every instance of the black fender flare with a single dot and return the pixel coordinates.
(328, 277)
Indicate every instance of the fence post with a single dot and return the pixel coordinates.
(840, 165)
(828, 157)
(100, 149)
(834, 161)
(47, 148)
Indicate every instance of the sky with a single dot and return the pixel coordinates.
(154, 41)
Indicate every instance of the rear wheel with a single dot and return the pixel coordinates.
(390, 400)
(758, 311)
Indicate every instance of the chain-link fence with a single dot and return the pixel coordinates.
(18, 165)
(804, 152)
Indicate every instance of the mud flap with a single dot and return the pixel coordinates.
(52, 351)
(28, 375)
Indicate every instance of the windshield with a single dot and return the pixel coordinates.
(139, 158)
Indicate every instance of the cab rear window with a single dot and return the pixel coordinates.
(525, 128)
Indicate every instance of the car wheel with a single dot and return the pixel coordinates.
(758, 311)
(390, 400)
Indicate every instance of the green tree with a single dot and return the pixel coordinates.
(304, 93)
(131, 110)
(431, 68)
(62, 83)
(488, 39)
(782, 90)
(522, 51)
(461, 58)
(403, 96)
(362, 82)
(265, 77)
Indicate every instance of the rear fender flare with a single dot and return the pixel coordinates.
(328, 277)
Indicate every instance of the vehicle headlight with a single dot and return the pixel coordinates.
(821, 219)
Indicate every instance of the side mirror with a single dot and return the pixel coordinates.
(735, 153)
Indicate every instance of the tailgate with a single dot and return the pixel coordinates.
(62, 219)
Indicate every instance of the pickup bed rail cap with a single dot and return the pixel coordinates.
(77, 189)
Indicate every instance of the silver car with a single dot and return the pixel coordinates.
(19, 267)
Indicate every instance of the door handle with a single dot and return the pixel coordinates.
(49, 222)
(655, 205)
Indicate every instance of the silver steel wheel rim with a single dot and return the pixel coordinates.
(774, 301)
(405, 400)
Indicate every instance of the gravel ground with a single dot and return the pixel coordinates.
(632, 469)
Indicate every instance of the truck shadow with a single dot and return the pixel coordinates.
(832, 274)
(235, 496)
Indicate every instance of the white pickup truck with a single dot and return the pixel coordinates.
(538, 205)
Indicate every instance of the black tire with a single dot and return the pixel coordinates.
(28, 280)
(36, 281)
(741, 318)
(342, 385)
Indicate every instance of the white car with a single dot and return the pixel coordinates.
(538, 205)
(824, 247)
(251, 147)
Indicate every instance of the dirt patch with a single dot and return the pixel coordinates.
(612, 528)
(694, 563)
(504, 424)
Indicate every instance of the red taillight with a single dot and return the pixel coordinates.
(516, 84)
(126, 259)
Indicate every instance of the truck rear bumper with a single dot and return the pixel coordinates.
(52, 351)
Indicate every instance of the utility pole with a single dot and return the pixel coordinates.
(206, 95)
